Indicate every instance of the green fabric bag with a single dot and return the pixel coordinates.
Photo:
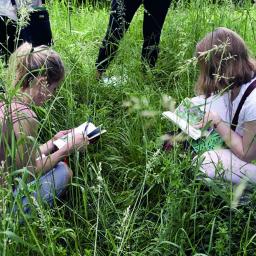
(211, 142)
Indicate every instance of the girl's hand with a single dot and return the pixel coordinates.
(49, 147)
(210, 117)
(61, 134)
(78, 142)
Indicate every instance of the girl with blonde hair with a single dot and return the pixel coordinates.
(38, 74)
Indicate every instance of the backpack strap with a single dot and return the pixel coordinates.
(248, 91)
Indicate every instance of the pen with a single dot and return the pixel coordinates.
(87, 124)
(85, 128)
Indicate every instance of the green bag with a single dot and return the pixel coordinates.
(211, 142)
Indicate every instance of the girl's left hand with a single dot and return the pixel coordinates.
(61, 134)
(212, 117)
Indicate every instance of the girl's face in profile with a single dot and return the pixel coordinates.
(41, 91)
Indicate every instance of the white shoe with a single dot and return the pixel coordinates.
(114, 80)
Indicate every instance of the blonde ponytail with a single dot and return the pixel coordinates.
(29, 62)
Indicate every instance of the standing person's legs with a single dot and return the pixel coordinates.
(122, 12)
(7, 37)
(223, 163)
(154, 16)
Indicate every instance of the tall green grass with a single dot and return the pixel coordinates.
(127, 197)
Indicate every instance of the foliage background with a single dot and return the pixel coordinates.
(128, 197)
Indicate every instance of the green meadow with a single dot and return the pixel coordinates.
(127, 196)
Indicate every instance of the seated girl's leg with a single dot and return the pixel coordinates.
(49, 186)
(223, 163)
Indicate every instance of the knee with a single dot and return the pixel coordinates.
(208, 164)
(70, 173)
(67, 172)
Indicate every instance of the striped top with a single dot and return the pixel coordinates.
(10, 115)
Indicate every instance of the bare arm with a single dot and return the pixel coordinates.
(25, 131)
(244, 147)
(48, 147)
(45, 164)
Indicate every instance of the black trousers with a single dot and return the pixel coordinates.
(122, 12)
(8, 40)
(37, 32)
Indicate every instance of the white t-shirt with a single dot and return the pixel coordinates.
(227, 109)
(7, 9)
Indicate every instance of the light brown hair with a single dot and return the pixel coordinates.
(29, 62)
(224, 62)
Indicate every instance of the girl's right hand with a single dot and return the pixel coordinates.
(78, 142)
(212, 117)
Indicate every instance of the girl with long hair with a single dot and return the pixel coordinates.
(227, 72)
(38, 73)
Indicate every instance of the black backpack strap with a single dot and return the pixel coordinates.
(248, 91)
